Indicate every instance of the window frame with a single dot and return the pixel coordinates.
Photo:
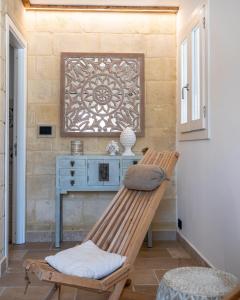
(191, 128)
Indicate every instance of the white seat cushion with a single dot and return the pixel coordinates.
(86, 260)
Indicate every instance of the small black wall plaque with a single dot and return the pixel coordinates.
(46, 131)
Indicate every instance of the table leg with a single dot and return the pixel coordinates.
(57, 219)
(149, 237)
(61, 218)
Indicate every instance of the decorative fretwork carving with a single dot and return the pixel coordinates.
(102, 93)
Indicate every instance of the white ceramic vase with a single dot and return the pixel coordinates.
(128, 140)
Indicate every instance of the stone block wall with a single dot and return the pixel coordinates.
(49, 34)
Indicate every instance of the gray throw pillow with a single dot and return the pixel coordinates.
(144, 177)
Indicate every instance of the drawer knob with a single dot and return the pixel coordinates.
(72, 162)
(72, 182)
(72, 173)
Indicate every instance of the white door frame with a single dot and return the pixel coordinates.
(13, 33)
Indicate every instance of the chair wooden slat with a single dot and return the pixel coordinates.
(132, 227)
(113, 215)
(117, 220)
(108, 213)
(124, 228)
(119, 228)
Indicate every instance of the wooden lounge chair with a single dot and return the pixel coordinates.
(121, 229)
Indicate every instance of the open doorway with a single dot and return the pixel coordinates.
(15, 137)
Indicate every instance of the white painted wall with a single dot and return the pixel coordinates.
(209, 171)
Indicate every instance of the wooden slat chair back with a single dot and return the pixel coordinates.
(121, 229)
(131, 213)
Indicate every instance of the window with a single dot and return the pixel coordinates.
(184, 82)
(193, 76)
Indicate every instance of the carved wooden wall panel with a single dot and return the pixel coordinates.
(101, 94)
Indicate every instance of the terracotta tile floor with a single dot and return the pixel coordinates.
(150, 266)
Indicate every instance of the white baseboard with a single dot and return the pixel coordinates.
(3, 265)
(195, 249)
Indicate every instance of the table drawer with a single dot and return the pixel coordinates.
(72, 163)
(67, 182)
(72, 172)
(103, 172)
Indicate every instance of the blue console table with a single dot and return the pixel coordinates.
(87, 173)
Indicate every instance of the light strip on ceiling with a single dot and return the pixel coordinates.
(101, 8)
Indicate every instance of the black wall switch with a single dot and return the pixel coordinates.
(180, 224)
(46, 131)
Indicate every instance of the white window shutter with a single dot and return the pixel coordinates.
(193, 73)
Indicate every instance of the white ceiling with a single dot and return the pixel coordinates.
(108, 2)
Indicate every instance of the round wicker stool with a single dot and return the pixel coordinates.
(195, 283)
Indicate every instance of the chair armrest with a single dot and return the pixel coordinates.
(46, 273)
(115, 277)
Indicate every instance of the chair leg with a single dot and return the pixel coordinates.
(128, 282)
(59, 292)
(115, 295)
(51, 292)
(76, 296)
